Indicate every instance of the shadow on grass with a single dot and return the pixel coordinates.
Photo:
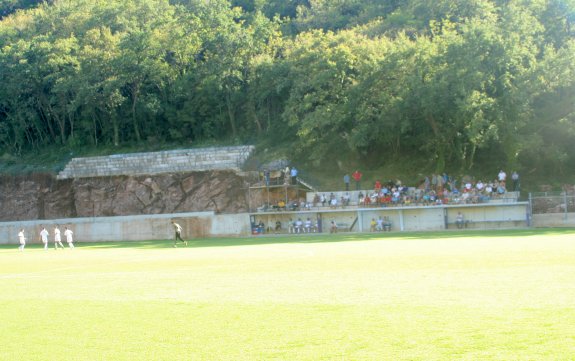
(320, 238)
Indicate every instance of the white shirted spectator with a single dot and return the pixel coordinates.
(502, 176)
(480, 186)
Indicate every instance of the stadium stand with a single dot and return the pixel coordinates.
(173, 161)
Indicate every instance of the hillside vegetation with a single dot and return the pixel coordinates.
(437, 85)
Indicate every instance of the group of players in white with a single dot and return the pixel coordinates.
(44, 238)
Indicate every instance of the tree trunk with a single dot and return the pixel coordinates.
(135, 93)
(231, 114)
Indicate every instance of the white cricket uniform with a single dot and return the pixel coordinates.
(68, 233)
(44, 236)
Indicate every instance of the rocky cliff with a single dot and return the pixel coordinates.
(42, 196)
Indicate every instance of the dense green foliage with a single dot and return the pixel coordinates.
(449, 82)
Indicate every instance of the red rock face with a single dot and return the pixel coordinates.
(44, 197)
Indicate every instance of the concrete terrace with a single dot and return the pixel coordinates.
(172, 161)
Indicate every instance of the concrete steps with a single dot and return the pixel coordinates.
(173, 161)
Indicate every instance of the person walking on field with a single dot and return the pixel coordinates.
(44, 237)
(22, 240)
(69, 237)
(178, 236)
(57, 238)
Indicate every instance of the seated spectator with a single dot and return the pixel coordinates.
(333, 203)
(407, 200)
(501, 188)
(346, 199)
(298, 226)
(291, 226)
(261, 227)
(308, 225)
(316, 200)
(379, 224)
(479, 186)
(459, 220)
(489, 189)
(278, 227)
(386, 224)
(366, 201)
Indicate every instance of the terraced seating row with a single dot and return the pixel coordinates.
(173, 161)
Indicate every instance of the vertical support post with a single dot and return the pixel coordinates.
(401, 224)
(565, 209)
(530, 210)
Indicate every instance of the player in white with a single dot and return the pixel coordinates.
(44, 237)
(69, 237)
(22, 240)
(57, 239)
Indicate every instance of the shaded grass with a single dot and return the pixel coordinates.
(464, 296)
(321, 238)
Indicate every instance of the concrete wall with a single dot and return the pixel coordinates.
(430, 218)
(133, 228)
(554, 220)
(208, 224)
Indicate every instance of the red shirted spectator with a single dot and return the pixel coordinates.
(357, 176)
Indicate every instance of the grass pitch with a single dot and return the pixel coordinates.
(505, 295)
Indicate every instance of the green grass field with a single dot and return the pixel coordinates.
(500, 295)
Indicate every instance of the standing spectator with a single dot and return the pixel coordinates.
(346, 181)
(287, 176)
(44, 237)
(357, 177)
(515, 179)
(57, 239)
(333, 227)
(377, 186)
(69, 237)
(501, 176)
(293, 174)
(440, 183)
(22, 240)
(427, 183)
(267, 177)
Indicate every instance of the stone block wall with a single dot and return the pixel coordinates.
(173, 161)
